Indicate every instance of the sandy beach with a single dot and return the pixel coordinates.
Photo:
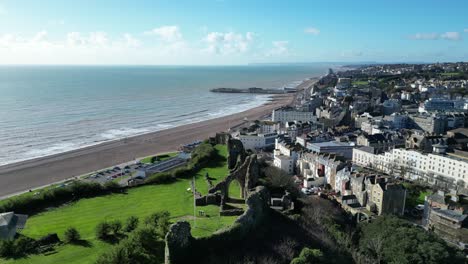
(22, 176)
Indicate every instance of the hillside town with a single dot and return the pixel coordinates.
(369, 136)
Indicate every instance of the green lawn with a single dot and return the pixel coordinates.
(165, 157)
(141, 202)
(416, 194)
(360, 82)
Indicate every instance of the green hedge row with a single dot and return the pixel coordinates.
(28, 204)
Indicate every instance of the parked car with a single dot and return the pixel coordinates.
(306, 191)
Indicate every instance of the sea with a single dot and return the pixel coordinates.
(47, 110)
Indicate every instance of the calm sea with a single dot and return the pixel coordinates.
(51, 109)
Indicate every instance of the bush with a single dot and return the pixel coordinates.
(143, 246)
(72, 235)
(28, 204)
(131, 224)
(160, 221)
(115, 226)
(160, 178)
(308, 255)
(112, 186)
(17, 248)
(103, 230)
(182, 172)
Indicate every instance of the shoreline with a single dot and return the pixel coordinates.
(18, 177)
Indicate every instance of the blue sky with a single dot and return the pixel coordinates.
(231, 31)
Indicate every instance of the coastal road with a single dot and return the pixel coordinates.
(22, 176)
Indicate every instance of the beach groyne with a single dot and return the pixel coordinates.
(251, 90)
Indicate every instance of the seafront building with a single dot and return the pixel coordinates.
(435, 168)
(287, 114)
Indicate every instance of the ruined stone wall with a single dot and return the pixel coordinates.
(181, 247)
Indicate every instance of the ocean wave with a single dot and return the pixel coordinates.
(123, 132)
(54, 149)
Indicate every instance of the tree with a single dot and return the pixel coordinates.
(278, 180)
(403, 243)
(115, 226)
(309, 256)
(131, 224)
(72, 235)
(103, 230)
(160, 221)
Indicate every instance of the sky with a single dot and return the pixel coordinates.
(231, 32)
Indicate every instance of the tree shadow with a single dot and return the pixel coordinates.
(114, 238)
(83, 243)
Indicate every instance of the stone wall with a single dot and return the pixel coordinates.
(182, 247)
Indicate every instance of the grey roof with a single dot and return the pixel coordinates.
(9, 223)
(451, 214)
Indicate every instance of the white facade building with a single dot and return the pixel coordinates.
(432, 168)
(257, 141)
(286, 115)
(285, 163)
(285, 156)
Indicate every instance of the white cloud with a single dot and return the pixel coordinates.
(228, 42)
(424, 36)
(40, 36)
(166, 33)
(93, 39)
(312, 31)
(280, 48)
(130, 41)
(434, 36)
(451, 36)
(466, 30)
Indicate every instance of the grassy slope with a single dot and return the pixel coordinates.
(142, 201)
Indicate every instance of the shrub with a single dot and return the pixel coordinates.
(182, 172)
(112, 186)
(160, 221)
(115, 226)
(143, 246)
(103, 230)
(28, 204)
(160, 178)
(308, 255)
(72, 235)
(16, 248)
(131, 224)
(7, 248)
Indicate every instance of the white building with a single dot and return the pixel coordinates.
(437, 169)
(257, 141)
(286, 115)
(285, 163)
(285, 155)
(267, 127)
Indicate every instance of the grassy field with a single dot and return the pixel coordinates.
(165, 157)
(450, 74)
(141, 202)
(360, 82)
